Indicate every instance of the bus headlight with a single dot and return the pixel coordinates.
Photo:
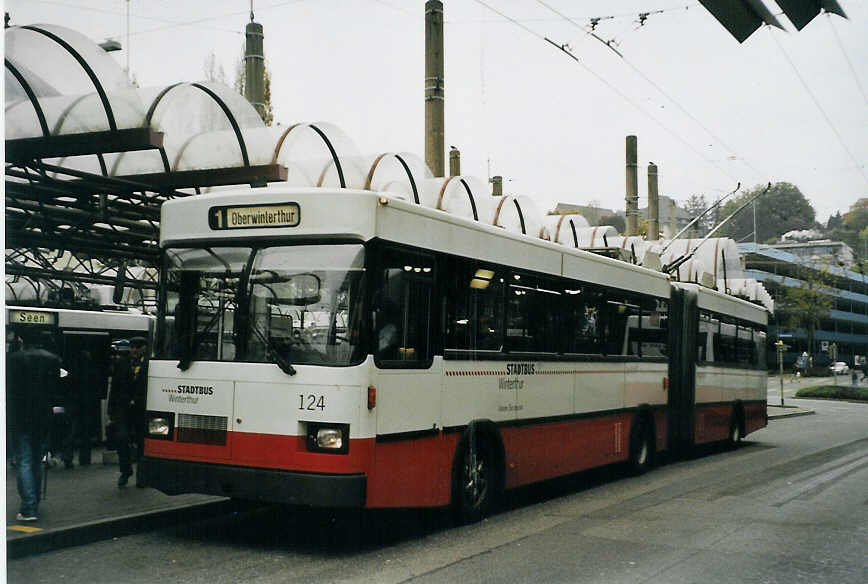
(332, 438)
(160, 425)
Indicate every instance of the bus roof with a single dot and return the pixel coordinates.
(275, 213)
(709, 299)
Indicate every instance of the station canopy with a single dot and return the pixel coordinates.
(91, 157)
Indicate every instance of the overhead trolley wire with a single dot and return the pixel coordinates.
(138, 16)
(209, 18)
(819, 106)
(636, 70)
(847, 58)
(621, 94)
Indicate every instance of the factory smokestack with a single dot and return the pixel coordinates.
(632, 211)
(653, 204)
(434, 123)
(254, 66)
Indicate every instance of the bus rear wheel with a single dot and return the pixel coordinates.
(641, 448)
(735, 428)
(474, 486)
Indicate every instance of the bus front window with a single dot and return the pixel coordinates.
(286, 305)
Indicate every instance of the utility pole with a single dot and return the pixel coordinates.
(434, 94)
(754, 223)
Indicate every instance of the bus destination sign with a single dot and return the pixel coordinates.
(32, 317)
(254, 216)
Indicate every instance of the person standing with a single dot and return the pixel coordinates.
(32, 381)
(126, 407)
(82, 408)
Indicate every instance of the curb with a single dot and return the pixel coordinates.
(89, 532)
(791, 415)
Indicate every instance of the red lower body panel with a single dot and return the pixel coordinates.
(417, 472)
(714, 422)
(540, 452)
(755, 416)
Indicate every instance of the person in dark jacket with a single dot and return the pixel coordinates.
(32, 381)
(82, 408)
(126, 407)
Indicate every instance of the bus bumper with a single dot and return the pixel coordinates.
(175, 477)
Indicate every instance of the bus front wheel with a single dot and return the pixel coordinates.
(474, 486)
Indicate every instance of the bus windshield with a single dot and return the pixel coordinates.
(284, 304)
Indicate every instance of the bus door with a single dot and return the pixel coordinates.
(681, 410)
(408, 378)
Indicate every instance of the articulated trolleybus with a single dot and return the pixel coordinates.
(344, 349)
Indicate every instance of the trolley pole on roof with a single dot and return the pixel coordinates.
(632, 210)
(434, 95)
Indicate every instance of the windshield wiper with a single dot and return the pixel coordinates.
(279, 359)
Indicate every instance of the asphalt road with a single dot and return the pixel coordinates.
(789, 506)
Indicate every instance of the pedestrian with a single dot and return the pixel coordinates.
(82, 408)
(32, 381)
(126, 408)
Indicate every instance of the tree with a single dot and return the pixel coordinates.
(615, 221)
(214, 70)
(808, 304)
(696, 206)
(835, 221)
(856, 218)
(853, 228)
(782, 209)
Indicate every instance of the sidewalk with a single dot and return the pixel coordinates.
(84, 504)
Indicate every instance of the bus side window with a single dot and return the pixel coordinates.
(655, 327)
(622, 334)
(705, 334)
(402, 310)
(583, 323)
(532, 309)
(474, 307)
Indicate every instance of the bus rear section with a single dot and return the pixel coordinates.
(717, 372)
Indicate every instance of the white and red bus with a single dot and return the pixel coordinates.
(346, 349)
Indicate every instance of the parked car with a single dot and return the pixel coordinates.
(839, 368)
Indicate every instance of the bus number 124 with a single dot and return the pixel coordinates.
(311, 402)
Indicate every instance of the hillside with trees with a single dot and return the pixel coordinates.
(784, 208)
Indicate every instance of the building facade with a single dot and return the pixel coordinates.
(842, 327)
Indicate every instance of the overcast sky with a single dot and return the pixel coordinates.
(710, 112)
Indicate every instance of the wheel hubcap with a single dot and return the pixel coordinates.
(475, 479)
(643, 453)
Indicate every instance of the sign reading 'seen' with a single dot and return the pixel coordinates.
(32, 317)
(254, 216)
